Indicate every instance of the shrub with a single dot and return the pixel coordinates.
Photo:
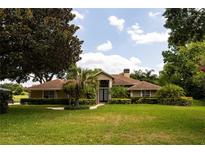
(148, 100)
(171, 91)
(119, 92)
(175, 101)
(135, 100)
(84, 101)
(184, 101)
(120, 101)
(89, 92)
(64, 101)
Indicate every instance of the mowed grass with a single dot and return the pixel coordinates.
(109, 124)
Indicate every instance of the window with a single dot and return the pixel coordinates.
(48, 94)
(146, 93)
(104, 83)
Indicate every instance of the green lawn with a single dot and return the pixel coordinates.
(110, 124)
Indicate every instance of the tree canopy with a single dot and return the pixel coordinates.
(185, 58)
(37, 43)
(187, 25)
(182, 68)
(15, 88)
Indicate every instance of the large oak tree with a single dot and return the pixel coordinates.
(37, 43)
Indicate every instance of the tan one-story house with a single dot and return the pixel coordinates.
(136, 88)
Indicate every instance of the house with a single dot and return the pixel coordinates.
(136, 88)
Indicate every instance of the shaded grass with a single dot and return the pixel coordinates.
(110, 124)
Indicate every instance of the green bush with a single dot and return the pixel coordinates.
(148, 100)
(175, 101)
(164, 101)
(89, 92)
(84, 101)
(135, 100)
(120, 101)
(171, 91)
(45, 101)
(119, 92)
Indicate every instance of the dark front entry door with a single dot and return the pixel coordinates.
(103, 95)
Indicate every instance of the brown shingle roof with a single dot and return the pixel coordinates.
(118, 80)
(143, 85)
(124, 81)
(50, 85)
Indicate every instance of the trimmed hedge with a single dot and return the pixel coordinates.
(175, 101)
(148, 100)
(165, 101)
(86, 101)
(45, 101)
(120, 101)
(135, 100)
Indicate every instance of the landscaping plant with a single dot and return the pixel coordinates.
(119, 92)
(171, 91)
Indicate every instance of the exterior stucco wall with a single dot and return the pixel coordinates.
(104, 77)
(137, 93)
(153, 93)
(39, 94)
(60, 94)
(36, 94)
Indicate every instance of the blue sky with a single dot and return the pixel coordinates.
(117, 38)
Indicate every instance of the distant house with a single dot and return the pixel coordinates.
(136, 88)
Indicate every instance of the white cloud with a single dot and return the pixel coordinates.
(110, 63)
(119, 23)
(140, 37)
(77, 15)
(160, 66)
(154, 14)
(105, 46)
(29, 83)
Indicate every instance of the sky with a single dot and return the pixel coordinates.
(115, 39)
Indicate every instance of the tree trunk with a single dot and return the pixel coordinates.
(97, 96)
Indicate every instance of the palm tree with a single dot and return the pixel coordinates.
(85, 77)
(149, 76)
(146, 75)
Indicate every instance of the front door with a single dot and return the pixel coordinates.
(103, 95)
